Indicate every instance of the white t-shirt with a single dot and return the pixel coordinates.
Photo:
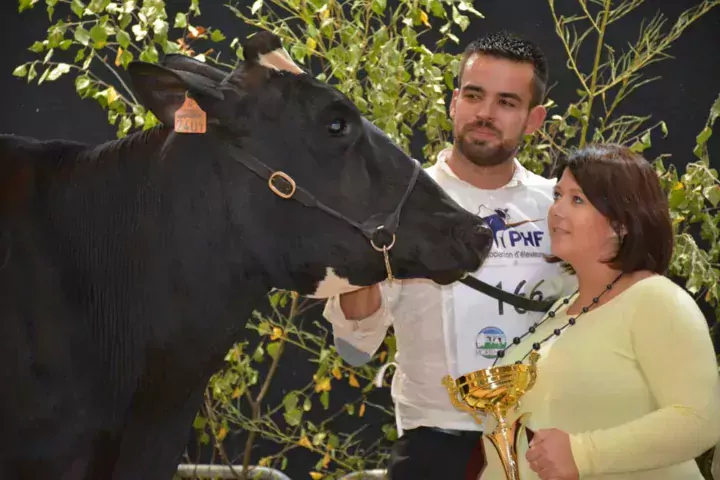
(454, 329)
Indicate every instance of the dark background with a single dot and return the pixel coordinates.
(689, 85)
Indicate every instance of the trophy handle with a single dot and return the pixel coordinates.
(453, 391)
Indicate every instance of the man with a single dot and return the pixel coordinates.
(454, 329)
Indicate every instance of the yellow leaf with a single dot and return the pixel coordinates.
(353, 381)
(265, 461)
(236, 393)
(362, 410)
(222, 434)
(325, 13)
(326, 460)
(322, 385)
(118, 56)
(276, 333)
(383, 355)
(316, 475)
(112, 95)
(336, 372)
(678, 186)
(424, 18)
(305, 442)
(311, 43)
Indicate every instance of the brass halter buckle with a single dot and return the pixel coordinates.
(385, 249)
(276, 190)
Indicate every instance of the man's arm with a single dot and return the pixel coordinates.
(360, 320)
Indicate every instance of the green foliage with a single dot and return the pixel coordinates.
(379, 58)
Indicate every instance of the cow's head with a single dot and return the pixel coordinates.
(270, 116)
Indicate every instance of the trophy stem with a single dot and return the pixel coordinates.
(504, 439)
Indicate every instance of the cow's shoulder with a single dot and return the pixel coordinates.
(25, 163)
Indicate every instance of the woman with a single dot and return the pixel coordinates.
(627, 381)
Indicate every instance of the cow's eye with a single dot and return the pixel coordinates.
(337, 127)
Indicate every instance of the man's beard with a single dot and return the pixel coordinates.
(483, 153)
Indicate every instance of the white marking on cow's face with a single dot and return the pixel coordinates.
(332, 285)
(280, 60)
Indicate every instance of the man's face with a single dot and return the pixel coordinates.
(491, 109)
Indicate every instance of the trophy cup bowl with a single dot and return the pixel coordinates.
(496, 391)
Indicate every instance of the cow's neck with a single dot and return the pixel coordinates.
(180, 284)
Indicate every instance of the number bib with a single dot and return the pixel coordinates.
(482, 325)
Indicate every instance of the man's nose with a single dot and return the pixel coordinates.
(485, 111)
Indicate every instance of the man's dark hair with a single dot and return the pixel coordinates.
(511, 47)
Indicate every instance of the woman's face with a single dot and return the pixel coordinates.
(579, 233)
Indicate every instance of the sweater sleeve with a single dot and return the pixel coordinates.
(357, 340)
(674, 351)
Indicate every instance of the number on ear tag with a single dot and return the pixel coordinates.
(190, 118)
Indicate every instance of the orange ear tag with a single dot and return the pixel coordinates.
(190, 118)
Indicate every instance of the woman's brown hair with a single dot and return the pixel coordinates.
(623, 186)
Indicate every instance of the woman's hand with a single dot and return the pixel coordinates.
(550, 455)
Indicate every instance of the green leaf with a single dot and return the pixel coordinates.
(26, 4)
(273, 349)
(20, 71)
(81, 85)
(217, 36)
(307, 404)
(58, 71)
(199, 422)
(123, 38)
(325, 399)
(290, 401)
(293, 417)
(256, 6)
(258, 354)
(180, 20)
(37, 47)
(77, 7)
(712, 193)
(82, 36)
(99, 36)
(703, 136)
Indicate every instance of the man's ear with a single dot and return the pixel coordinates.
(162, 90)
(535, 119)
(453, 102)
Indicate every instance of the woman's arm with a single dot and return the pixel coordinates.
(675, 353)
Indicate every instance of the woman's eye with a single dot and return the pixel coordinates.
(337, 127)
(577, 199)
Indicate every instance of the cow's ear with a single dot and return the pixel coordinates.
(163, 91)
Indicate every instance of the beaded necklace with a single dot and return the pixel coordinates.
(556, 333)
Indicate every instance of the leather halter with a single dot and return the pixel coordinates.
(285, 187)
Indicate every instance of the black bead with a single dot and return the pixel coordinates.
(536, 346)
(571, 321)
(556, 331)
(501, 353)
(531, 329)
(609, 286)
(596, 300)
(516, 340)
(518, 362)
(566, 301)
(585, 309)
(551, 314)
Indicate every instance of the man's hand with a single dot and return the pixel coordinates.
(550, 456)
(361, 303)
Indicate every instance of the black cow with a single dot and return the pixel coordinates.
(127, 269)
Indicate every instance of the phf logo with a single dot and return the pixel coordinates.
(489, 341)
(499, 222)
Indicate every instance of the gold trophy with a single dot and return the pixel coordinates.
(496, 390)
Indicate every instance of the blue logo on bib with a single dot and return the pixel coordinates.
(499, 222)
(489, 341)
